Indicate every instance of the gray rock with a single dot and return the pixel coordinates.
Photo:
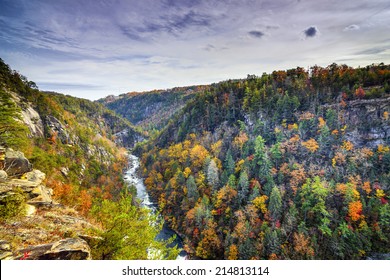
(57, 127)
(3, 176)
(5, 250)
(16, 163)
(65, 249)
(64, 171)
(33, 120)
(35, 176)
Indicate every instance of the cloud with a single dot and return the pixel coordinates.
(352, 27)
(311, 32)
(256, 33)
(378, 50)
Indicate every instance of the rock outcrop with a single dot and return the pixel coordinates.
(65, 249)
(33, 121)
(59, 129)
(365, 120)
(15, 163)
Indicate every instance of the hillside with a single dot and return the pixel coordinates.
(62, 192)
(290, 165)
(153, 109)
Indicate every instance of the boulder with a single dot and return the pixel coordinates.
(16, 163)
(65, 249)
(3, 176)
(5, 250)
(35, 176)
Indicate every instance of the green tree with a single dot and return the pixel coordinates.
(122, 224)
(275, 204)
(13, 133)
(192, 190)
(243, 187)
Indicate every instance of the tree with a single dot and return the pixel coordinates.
(275, 204)
(192, 190)
(212, 175)
(262, 160)
(243, 187)
(122, 223)
(229, 163)
(13, 133)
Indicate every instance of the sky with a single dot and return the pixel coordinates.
(95, 48)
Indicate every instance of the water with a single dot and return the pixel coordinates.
(132, 177)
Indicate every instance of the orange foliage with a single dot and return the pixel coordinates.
(355, 210)
(85, 202)
(240, 140)
(302, 246)
(347, 145)
(360, 93)
(233, 252)
(321, 122)
(366, 187)
(311, 145)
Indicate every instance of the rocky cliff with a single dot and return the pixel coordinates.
(34, 225)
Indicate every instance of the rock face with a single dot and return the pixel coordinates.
(33, 120)
(366, 121)
(57, 127)
(15, 163)
(65, 249)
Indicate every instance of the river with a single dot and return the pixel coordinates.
(132, 177)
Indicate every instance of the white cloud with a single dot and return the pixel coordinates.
(109, 47)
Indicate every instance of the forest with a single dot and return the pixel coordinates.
(289, 165)
(73, 144)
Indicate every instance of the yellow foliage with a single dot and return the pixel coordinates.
(311, 145)
(380, 193)
(334, 162)
(383, 149)
(260, 204)
(200, 179)
(239, 165)
(198, 155)
(187, 172)
(216, 148)
(233, 252)
(321, 122)
(293, 126)
(347, 145)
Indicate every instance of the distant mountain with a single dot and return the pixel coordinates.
(153, 109)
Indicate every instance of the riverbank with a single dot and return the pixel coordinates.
(132, 178)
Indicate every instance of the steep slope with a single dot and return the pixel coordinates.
(151, 110)
(61, 182)
(291, 165)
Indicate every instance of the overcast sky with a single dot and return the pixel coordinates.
(93, 48)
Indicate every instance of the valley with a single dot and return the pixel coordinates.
(294, 164)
